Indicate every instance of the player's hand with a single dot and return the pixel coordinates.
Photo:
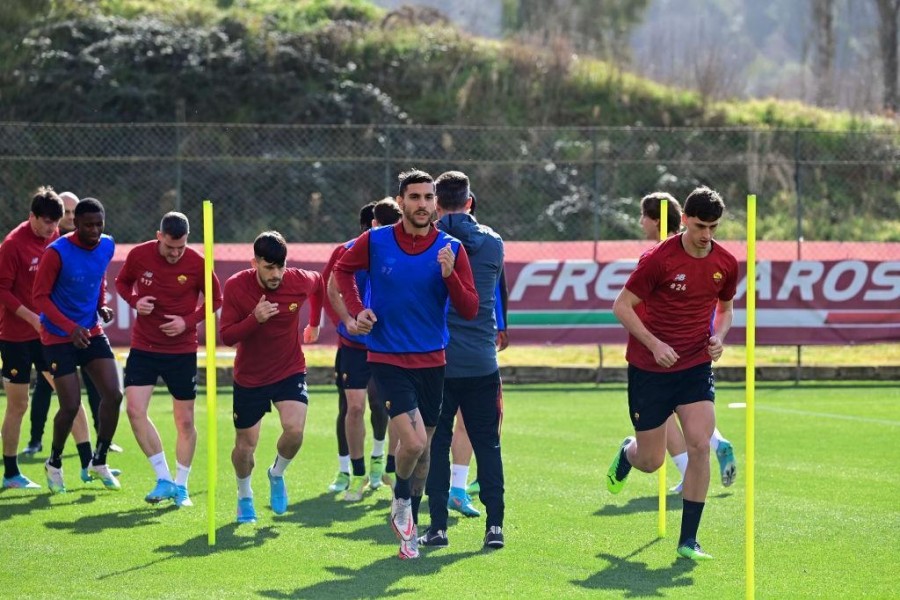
(351, 326)
(664, 355)
(106, 313)
(502, 341)
(81, 337)
(34, 320)
(174, 326)
(365, 321)
(145, 305)
(310, 334)
(447, 260)
(715, 348)
(264, 310)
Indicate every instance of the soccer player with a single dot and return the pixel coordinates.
(675, 445)
(352, 377)
(413, 270)
(680, 282)
(472, 379)
(20, 325)
(70, 292)
(40, 397)
(163, 279)
(261, 316)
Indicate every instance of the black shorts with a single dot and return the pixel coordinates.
(64, 358)
(251, 403)
(353, 368)
(178, 371)
(404, 390)
(653, 396)
(18, 357)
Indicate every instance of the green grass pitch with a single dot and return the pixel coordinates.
(827, 512)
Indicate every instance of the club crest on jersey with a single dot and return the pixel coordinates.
(293, 307)
(717, 276)
(182, 279)
(147, 278)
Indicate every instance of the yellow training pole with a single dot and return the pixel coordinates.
(211, 424)
(661, 474)
(751, 385)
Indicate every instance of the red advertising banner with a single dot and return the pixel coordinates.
(562, 293)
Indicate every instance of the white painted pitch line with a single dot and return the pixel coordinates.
(809, 413)
(737, 405)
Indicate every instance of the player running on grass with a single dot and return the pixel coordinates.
(70, 292)
(413, 270)
(650, 222)
(163, 279)
(261, 316)
(680, 282)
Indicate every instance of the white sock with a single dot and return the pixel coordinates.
(344, 463)
(280, 465)
(715, 439)
(244, 490)
(159, 464)
(459, 476)
(681, 461)
(181, 474)
(377, 448)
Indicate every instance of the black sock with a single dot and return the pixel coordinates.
(401, 488)
(391, 465)
(416, 501)
(55, 459)
(624, 467)
(99, 457)
(84, 453)
(10, 466)
(690, 520)
(359, 466)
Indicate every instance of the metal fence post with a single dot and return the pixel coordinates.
(180, 117)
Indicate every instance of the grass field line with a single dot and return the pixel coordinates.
(811, 413)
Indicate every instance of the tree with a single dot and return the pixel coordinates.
(888, 26)
(824, 40)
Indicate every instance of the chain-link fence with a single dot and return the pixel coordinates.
(533, 184)
(566, 200)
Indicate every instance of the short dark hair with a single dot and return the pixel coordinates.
(175, 225)
(46, 203)
(452, 189)
(650, 208)
(704, 204)
(271, 247)
(387, 211)
(366, 214)
(89, 205)
(407, 178)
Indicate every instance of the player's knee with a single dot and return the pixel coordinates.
(355, 411)
(185, 425)
(135, 411)
(114, 397)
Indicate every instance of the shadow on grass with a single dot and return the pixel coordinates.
(634, 579)
(639, 505)
(374, 580)
(27, 502)
(382, 533)
(123, 519)
(196, 547)
(324, 511)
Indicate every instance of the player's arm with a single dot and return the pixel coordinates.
(125, 281)
(316, 300)
(721, 326)
(9, 265)
(501, 295)
(106, 313)
(461, 286)
(199, 314)
(338, 307)
(330, 309)
(355, 259)
(623, 309)
(236, 324)
(44, 280)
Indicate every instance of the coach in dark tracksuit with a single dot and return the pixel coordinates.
(472, 377)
